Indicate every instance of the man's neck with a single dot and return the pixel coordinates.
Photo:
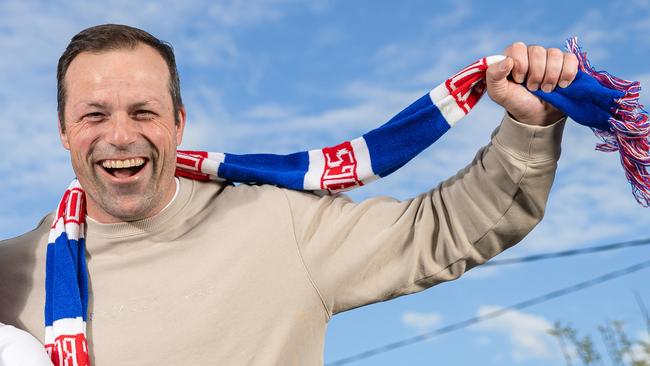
(103, 221)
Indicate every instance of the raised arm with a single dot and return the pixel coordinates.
(383, 248)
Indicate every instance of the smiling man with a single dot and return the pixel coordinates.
(202, 273)
(121, 125)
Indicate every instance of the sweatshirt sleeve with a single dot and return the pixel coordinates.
(382, 248)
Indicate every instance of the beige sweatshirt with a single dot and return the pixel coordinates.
(250, 275)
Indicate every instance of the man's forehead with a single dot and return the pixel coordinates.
(135, 75)
(138, 63)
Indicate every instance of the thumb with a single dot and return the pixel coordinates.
(496, 79)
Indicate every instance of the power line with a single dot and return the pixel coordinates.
(569, 253)
(477, 319)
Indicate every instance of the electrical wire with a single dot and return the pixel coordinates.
(477, 319)
(569, 253)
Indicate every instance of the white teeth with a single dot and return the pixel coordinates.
(118, 164)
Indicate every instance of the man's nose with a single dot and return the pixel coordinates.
(123, 130)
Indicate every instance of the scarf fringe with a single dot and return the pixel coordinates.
(629, 132)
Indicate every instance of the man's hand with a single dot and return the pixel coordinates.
(533, 67)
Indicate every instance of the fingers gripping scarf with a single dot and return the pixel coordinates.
(596, 99)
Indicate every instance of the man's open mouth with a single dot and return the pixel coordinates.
(123, 168)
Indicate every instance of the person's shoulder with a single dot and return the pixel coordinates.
(20, 246)
(208, 196)
(206, 190)
(269, 191)
(22, 274)
(226, 194)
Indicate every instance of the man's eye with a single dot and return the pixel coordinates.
(94, 117)
(144, 115)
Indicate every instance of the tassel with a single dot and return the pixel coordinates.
(629, 128)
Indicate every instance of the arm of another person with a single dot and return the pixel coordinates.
(19, 348)
(381, 248)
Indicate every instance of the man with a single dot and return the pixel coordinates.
(187, 272)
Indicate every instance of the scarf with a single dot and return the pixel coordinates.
(596, 99)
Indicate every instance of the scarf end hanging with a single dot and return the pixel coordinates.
(629, 128)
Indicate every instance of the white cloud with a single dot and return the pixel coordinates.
(526, 333)
(460, 11)
(265, 111)
(208, 39)
(421, 322)
(483, 341)
(590, 32)
(483, 272)
(238, 12)
(329, 36)
(432, 59)
(206, 118)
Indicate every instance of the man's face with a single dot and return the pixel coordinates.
(121, 132)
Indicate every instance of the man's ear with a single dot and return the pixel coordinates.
(63, 136)
(180, 125)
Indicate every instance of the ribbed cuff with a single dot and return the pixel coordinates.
(530, 143)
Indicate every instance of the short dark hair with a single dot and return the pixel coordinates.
(108, 37)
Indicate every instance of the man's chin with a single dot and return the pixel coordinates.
(132, 201)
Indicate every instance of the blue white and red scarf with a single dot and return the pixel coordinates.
(610, 106)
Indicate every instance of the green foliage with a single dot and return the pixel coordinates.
(620, 348)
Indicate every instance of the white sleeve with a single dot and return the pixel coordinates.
(18, 347)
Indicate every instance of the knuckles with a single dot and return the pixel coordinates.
(571, 60)
(555, 53)
(515, 49)
(519, 45)
(536, 51)
(525, 55)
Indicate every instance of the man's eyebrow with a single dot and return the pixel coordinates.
(144, 103)
(104, 106)
(98, 105)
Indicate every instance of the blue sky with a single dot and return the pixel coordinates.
(282, 75)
